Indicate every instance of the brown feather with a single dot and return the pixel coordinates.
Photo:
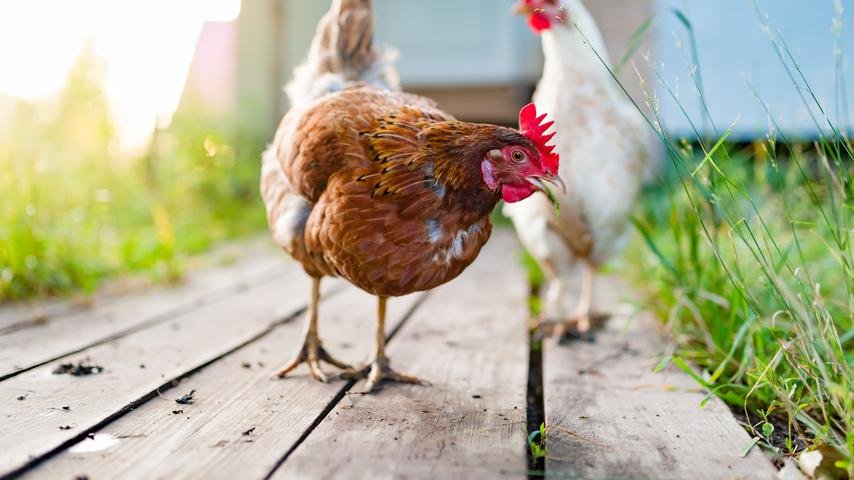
(398, 202)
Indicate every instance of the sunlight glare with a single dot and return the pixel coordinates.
(144, 47)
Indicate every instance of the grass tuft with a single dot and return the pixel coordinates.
(751, 264)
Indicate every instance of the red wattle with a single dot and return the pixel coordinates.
(516, 193)
(539, 22)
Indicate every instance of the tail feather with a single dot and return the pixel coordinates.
(341, 53)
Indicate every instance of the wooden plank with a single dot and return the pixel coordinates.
(34, 343)
(136, 366)
(16, 315)
(469, 340)
(233, 395)
(609, 416)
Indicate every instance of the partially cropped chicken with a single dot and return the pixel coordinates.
(381, 187)
(602, 139)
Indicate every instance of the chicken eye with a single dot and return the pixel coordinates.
(517, 155)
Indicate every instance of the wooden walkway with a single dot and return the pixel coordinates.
(216, 339)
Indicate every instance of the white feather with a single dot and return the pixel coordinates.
(602, 145)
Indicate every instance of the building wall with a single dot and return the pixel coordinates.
(475, 58)
(735, 52)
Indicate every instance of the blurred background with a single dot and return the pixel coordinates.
(131, 130)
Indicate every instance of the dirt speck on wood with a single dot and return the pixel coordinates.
(186, 399)
(78, 370)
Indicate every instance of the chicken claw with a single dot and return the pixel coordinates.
(576, 327)
(379, 371)
(312, 353)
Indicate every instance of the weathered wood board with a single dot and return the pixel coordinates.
(29, 343)
(232, 256)
(226, 331)
(135, 367)
(63, 335)
(610, 416)
(469, 340)
(242, 421)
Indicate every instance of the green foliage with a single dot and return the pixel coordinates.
(748, 253)
(75, 212)
(751, 267)
(537, 443)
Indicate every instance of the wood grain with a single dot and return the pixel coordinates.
(469, 340)
(234, 395)
(29, 343)
(609, 416)
(135, 367)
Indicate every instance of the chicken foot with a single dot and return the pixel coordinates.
(379, 370)
(312, 351)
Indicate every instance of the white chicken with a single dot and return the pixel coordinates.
(603, 143)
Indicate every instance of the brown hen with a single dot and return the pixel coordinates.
(381, 187)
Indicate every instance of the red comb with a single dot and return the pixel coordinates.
(532, 126)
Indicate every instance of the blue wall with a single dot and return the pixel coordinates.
(733, 48)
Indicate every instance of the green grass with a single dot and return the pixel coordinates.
(756, 285)
(75, 212)
(745, 251)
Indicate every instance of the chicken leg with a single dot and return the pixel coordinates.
(379, 369)
(580, 321)
(312, 351)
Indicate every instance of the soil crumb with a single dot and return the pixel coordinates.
(79, 370)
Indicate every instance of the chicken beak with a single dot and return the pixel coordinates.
(522, 8)
(540, 183)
